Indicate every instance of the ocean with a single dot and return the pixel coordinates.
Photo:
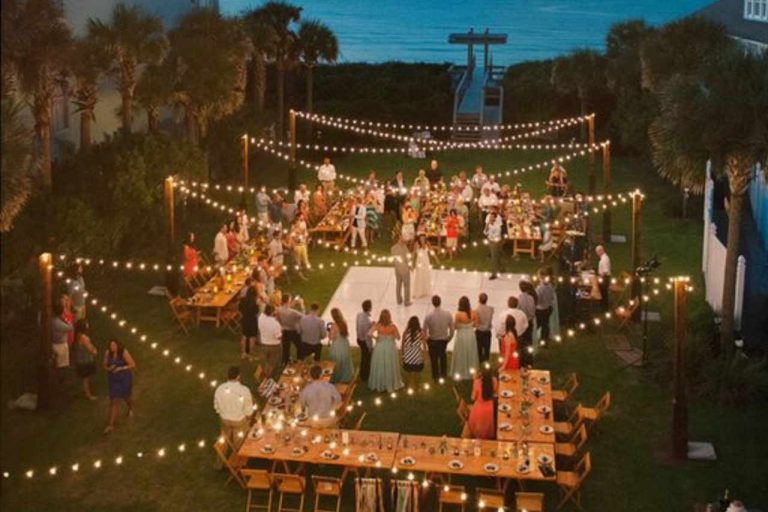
(417, 30)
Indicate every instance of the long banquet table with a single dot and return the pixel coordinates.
(518, 394)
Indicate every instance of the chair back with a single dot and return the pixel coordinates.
(571, 384)
(583, 467)
(577, 417)
(360, 421)
(233, 463)
(529, 502)
(281, 480)
(579, 438)
(603, 404)
(331, 486)
(368, 495)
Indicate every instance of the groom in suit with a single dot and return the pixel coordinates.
(401, 262)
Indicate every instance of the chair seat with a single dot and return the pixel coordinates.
(492, 500)
(589, 414)
(452, 497)
(529, 501)
(558, 395)
(256, 480)
(328, 488)
(567, 479)
(290, 486)
(563, 427)
(565, 449)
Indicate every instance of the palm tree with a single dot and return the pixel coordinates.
(279, 15)
(37, 51)
(263, 40)
(154, 90)
(17, 164)
(132, 37)
(88, 63)
(580, 73)
(316, 43)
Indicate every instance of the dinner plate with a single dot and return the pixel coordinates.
(455, 464)
(537, 391)
(505, 407)
(327, 371)
(297, 451)
(544, 409)
(505, 427)
(329, 455)
(546, 429)
(274, 400)
(507, 394)
(407, 461)
(302, 417)
(543, 379)
(371, 457)
(491, 468)
(523, 469)
(504, 377)
(289, 371)
(544, 459)
(267, 448)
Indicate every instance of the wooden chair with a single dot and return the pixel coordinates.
(529, 502)
(563, 395)
(570, 482)
(230, 317)
(625, 314)
(181, 313)
(360, 421)
(462, 411)
(590, 415)
(573, 446)
(362, 487)
(558, 237)
(326, 487)
(452, 495)
(233, 463)
(347, 387)
(346, 398)
(622, 284)
(289, 485)
(257, 480)
(456, 394)
(566, 429)
(490, 499)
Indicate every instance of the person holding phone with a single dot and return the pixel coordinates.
(119, 366)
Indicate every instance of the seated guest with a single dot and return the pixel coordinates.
(481, 423)
(301, 194)
(191, 255)
(319, 204)
(320, 399)
(421, 183)
(557, 182)
(233, 244)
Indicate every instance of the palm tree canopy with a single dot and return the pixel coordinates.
(279, 16)
(16, 167)
(580, 71)
(156, 86)
(317, 42)
(623, 43)
(257, 27)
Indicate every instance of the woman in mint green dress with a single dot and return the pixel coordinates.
(339, 352)
(385, 364)
(465, 362)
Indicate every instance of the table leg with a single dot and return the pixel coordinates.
(218, 317)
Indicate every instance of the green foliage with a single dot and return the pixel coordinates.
(316, 42)
(17, 161)
(530, 96)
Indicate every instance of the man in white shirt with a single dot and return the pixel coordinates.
(491, 185)
(234, 405)
(486, 202)
(359, 216)
(326, 173)
(271, 333)
(604, 275)
(478, 180)
(220, 250)
(302, 194)
(521, 321)
(493, 234)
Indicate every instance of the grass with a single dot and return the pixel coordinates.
(631, 469)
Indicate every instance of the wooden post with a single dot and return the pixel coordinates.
(679, 401)
(171, 279)
(246, 178)
(292, 149)
(45, 368)
(635, 251)
(591, 132)
(606, 191)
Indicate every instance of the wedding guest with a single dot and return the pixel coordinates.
(262, 207)
(452, 226)
(233, 244)
(319, 204)
(413, 348)
(464, 362)
(83, 355)
(343, 370)
(362, 326)
(521, 321)
(493, 235)
(481, 417)
(359, 217)
(60, 330)
(401, 262)
(191, 255)
(508, 346)
(439, 329)
(249, 321)
(483, 316)
(301, 194)
(326, 174)
(270, 334)
(421, 183)
(220, 246)
(76, 290)
(233, 402)
(385, 367)
(320, 399)
(312, 330)
(434, 174)
(119, 366)
(604, 275)
(289, 318)
(545, 293)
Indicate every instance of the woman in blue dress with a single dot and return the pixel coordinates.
(385, 366)
(119, 366)
(464, 362)
(339, 350)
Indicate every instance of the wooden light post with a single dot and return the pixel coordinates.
(606, 190)
(45, 368)
(171, 282)
(637, 198)
(246, 178)
(679, 401)
(292, 149)
(591, 132)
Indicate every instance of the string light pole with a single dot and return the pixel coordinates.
(170, 233)
(45, 370)
(292, 149)
(245, 142)
(606, 190)
(591, 135)
(679, 401)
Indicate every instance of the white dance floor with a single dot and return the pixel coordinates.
(378, 285)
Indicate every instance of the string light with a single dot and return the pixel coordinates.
(388, 150)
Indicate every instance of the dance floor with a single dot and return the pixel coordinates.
(378, 285)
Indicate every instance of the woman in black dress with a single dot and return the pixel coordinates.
(249, 310)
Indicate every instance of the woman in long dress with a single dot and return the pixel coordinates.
(119, 366)
(465, 362)
(422, 276)
(339, 350)
(481, 420)
(385, 366)
(508, 346)
(408, 231)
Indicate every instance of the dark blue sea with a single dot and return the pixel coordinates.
(417, 30)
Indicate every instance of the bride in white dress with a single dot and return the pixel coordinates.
(422, 277)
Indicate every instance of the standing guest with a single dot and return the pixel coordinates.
(339, 350)
(319, 204)
(434, 175)
(234, 404)
(545, 294)
(243, 222)
(409, 218)
(191, 255)
(289, 318)
(299, 235)
(60, 331)
(233, 244)
(486, 203)
(508, 346)
(276, 251)
(481, 417)
(320, 399)
(401, 261)
(483, 324)
(413, 347)
(326, 174)
(119, 366)
(302, 209)
(422, 272)
(557, 182)
(83, 354)
(262, 207)
(385, 368)
(312, 330)
(220, 246)
(288, 211)
(439, 329)
(493, 234)
(527, 304)
(452, 227)
(421, 183)
(492, 185)
(359, 217)
(249, 321)
(478, 180)
(464, 362)
(76, 290)
(371, 183)
(363, 326)
(275, 211)
(301, 194)
(521, 321)
(68, 316)
(400, 188)
(604, 275)
(270, 335)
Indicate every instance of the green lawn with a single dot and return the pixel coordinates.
(631, 469)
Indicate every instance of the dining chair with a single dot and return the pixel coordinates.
(344, 387)
(230, 317)
(233, 463)
(625, 314)
(289, 485)
(560, 396)
(453, 496)
(368, 495)
(529, 502)
(360, 421)
(491, 499)
(566, 429)
(591, 415)
(456, 394)
(462, 411)
(181, 313)
(570, 482)
(573, 446)
(257, 481)
(327, 487)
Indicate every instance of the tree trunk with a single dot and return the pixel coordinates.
(153, 120)
(309, 100)
(258, 81)
(86, 118)
(191, 124)
(739, 174)
(125, 112)
(42, 111)
(280, 100)
(127, 86)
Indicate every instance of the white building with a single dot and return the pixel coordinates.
(746, 21)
